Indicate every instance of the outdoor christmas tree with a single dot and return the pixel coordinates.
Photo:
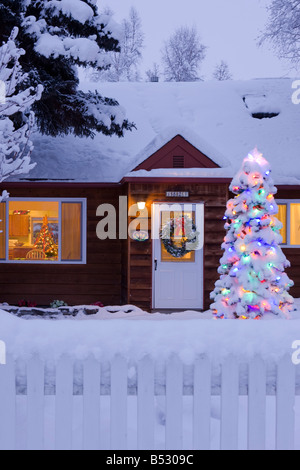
(45, 241)
(252, 281)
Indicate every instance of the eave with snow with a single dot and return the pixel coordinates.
(190, 141)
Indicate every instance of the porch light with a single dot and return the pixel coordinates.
(141, 205)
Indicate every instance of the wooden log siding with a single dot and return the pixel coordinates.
(99, 280)
(120, 272)
(140, 254)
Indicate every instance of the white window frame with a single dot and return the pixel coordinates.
(287, 203)
(82, 201)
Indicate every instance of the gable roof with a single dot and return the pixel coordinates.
(214, 117)
(178, 151)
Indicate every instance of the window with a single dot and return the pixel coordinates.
(177, 237)
(44, 231)
(289, 215)
(282, 216)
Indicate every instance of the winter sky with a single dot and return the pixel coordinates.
(229, 28)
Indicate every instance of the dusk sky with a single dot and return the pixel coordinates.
(229, 28)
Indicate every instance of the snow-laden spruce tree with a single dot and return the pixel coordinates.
(59, 36)
(252, 281)
(16, 119)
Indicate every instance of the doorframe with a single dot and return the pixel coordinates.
(154, 203)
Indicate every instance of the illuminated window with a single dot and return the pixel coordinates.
(46, 231)
(282, 216)
(289, 215)
(295, 224)
(177, 238)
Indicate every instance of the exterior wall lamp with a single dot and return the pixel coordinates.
(141, 205)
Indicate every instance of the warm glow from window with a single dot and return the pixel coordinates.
(282, 216)
(33, 230)
(42, 231)
(295, 224)
(177, 239)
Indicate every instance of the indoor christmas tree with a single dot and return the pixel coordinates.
(253, 281)
(45, 241)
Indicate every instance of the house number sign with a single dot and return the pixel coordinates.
(177, 194)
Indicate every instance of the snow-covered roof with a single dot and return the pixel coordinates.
(215, 117)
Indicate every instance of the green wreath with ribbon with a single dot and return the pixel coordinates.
(189, 235)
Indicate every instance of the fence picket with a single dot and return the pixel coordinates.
(7, 406)
(35, 404)
(202, 404)
(146, 404)
(229, 404)
(285, 402)
(258, 389)
(91, 405)
(119, 403)
(257, 404)
(64, 404)
(174, 407)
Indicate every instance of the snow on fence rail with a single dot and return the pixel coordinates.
(147, 382)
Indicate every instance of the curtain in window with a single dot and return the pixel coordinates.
(295, 224)
(2, 230)
(282, 216)
(71, 231)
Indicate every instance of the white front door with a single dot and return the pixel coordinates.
(178, 277)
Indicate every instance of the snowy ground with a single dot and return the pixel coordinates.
(129, 312)
(136, 333)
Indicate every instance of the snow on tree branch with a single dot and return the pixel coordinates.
(283, 29)
(124, 64)
(221, 72)
(16, 120)
(59, 36)
(182, 55)
(56, 41)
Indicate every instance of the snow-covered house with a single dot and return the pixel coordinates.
(190, 141)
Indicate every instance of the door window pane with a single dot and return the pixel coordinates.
(71, 231)
(177, 237)
(282, 216)
(33, 230)
(295, 224)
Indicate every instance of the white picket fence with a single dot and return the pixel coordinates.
(228, 380)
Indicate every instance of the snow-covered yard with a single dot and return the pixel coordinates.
(133, 335)
(133, 332)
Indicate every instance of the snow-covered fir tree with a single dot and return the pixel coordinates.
(60, 36)
(16, 119)
(252, 281)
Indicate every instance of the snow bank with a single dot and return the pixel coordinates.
(158, 335)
